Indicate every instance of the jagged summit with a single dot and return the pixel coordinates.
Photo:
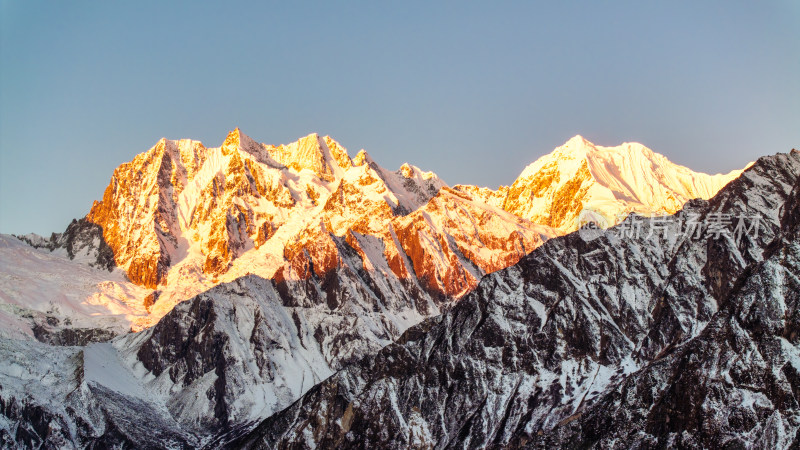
(234, 135)
(236, 140)
(323, 156)
(361, 158)
(406, 170)
(182, 206)
(181, 218)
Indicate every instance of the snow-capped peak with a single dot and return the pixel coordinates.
(578, 141)
(613, 181)
(406, 171)
(236, 140)
(361, 158)
(181, 218)
(309, 153)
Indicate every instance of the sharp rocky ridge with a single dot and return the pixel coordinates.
(253, 273)
(597, 339)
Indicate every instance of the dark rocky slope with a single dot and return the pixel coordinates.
(597, 338)
(736, 385)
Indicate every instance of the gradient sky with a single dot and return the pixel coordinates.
(473, 92)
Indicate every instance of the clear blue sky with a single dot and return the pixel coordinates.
(471, 91)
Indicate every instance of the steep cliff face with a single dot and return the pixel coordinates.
(446, 246)
(138, 213)
(611, 338)
(737, 384)
(180, 196)
(453, 241)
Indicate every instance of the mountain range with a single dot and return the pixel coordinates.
(292, 295)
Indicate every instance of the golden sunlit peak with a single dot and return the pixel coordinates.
(406, 171)
(577, 141)
(238, 137)
(236, 133)
(160, 144)
(233, 141)
(311, 137)
(361, 158)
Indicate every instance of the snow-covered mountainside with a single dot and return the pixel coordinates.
(251, 273)
(219, 361)
(613, 339)
(608, 181)
(46, 296)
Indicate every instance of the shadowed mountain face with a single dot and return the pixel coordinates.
(597, 338)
